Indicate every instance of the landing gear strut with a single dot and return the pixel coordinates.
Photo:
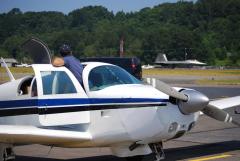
(157, 149)
(6, 152)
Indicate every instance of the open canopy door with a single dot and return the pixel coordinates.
(38, 51)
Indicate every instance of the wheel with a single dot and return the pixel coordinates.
(8, 154)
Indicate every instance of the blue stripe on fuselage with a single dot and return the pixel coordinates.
(18, 103)
(76, 101)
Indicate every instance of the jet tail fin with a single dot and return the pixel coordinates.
(8, 71)
(161, 58)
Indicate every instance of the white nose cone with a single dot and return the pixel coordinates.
(196, 102)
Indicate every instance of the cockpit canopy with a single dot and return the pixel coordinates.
(104, 76)
(59, 82)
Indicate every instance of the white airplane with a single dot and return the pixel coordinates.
(162, 60)
(113, 109)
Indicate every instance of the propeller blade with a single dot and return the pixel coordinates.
(218, 114)
(165, 88)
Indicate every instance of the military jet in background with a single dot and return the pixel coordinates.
(164, 62)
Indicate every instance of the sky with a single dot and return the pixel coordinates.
(67, 6)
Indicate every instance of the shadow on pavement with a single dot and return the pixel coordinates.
(171, 154)
(201, 150)
(98, 158)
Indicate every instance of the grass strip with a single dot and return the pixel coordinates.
(192, 72)
(218, 82)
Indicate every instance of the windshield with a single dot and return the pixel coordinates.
(108, 75)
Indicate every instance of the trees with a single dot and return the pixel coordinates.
(208, 30)
(88, 16)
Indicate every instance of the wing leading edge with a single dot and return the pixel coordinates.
(226, 102)
(14, 134)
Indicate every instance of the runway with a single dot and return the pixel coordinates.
(209, 140)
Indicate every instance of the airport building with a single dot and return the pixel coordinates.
(11, 62)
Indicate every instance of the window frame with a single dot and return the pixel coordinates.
(48, 67)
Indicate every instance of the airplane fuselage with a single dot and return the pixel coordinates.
(117, 116)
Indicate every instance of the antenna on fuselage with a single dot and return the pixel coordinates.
(7, 69)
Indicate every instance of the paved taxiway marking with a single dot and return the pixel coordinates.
(211, 158)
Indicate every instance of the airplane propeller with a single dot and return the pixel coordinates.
(165, 88)
(190, 101)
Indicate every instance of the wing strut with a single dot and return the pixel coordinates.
(8, 71)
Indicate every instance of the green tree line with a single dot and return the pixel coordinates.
(207, 30)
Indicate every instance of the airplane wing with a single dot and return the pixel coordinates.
(226, 102)
(15, 134)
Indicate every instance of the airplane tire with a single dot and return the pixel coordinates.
(5, 159)
(6, 154)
